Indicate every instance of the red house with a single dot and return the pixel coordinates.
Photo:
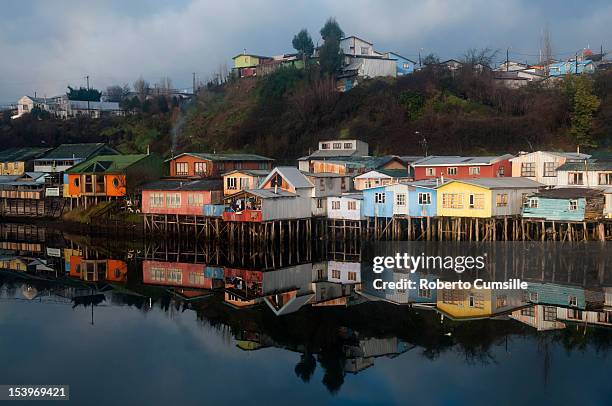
(178, 274)
(196, 165)
(185, 198)
(461, 167)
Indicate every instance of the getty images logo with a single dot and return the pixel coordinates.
(424, 262)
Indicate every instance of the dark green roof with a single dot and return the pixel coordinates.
(589, 165)
(394, 173)
(107, 163)
(225, 157)
(82, 151)
(21, 154)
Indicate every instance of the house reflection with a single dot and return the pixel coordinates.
(474, 303)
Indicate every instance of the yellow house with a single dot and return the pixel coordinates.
(248, 60)
(484, 197)
(462, 304)
(243, 179)
(17, 161)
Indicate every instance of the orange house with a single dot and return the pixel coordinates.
(105, 177)
(196, 165)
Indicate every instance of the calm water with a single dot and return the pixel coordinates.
(177, 323)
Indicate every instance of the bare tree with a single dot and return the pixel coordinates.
(142, 88)
(484, 56)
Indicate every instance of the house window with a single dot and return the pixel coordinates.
(474, 170)
(475, 300)
(365, 50)
(405, 65)
(575, 178)
(501, 200)
(533, 203)
(336, 205)
(352, 205)
(528, 311)
(533, 297)
(321, 184)
(237, 165)
(325, 145)
(200, 168)
(452, 171)
(574, 314)
(425, 293)
(502, 301)
(352, 276)
(156, 200)
(348, 145)
(76, 182)
(320, 203)
(400, 199)
(245, 183)
(528, 169)
(476, 201)
(230, 183)
(195, 199)
(550, 313)
(452, 200)
(501, 171)
(605, 178)
(573, 205)
(343, 184)
(182, 168)
(430, 171)
(550, 170)
(424, 199)
(173, 200)
(573, 300)
(379, 197)
(335, 274)
(337, 145)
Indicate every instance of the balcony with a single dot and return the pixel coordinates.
(252, 216)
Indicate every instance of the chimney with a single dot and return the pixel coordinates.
(578, 149)
(442, 179)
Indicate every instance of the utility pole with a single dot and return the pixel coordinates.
(88, 97)
(507, 59)
(194, 83)
(576, 63)
(420, 64)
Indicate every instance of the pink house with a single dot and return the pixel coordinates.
(185, 198)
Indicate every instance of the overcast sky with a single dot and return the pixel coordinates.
(47, 45)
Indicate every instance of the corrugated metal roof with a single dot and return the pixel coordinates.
(107, 163)
(82, 151)
(435, 160)
(323, 174)
(292, 175)
(569, 193)
(21, 154)
(500, 183)
(174, 184)
(252, 172)
(589, 165)
(224, 157)
(323, 153)
(568, 155)
(94, 105)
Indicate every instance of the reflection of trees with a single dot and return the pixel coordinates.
(332, 361)
(305, 368)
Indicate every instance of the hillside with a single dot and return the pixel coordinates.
(283, 115)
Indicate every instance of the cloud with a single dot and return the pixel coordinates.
(48, 45)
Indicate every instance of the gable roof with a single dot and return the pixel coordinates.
(107, 163)
(398, 55)
(81, 151)
(21, 154)
(223, 157)
(356, 37)
(252, 55)
(435, 160)
(292, 175)
(569, 193)
(499, 183)
(386, 173)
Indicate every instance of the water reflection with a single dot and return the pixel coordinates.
(320, 304)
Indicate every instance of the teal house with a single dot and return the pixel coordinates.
(565, 204)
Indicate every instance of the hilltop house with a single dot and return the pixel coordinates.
(203, 165)
(67, 108)
(245, 65)
(107, 177)
(541, 166)
(485, 197)
(566, 204)
(403, 65)
(66, 156)
(459, 167)
(362, 61)
(28, 103)
(571, 67)
(17, 161)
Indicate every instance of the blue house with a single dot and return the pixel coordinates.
(404, 65)
(571, 68)
(565, 204)
(413, 199)
(563, 295)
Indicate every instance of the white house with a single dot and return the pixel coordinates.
(326, 185)
(28, 103)
(585, 173)
(345, 207)
(380, 177)
(67, 108)
(344, 272)
(355, 46)
(541, 166)
(334, 149)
